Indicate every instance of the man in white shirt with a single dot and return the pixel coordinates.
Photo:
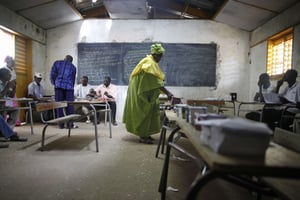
(290, 95)
(35, 89)
(82, 91)
(108, 92)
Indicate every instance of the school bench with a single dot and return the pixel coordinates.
(48, 106)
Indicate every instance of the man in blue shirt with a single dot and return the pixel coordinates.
(62, 77)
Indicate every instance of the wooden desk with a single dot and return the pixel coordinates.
(278, 162)
(27, 101)
(220, 104)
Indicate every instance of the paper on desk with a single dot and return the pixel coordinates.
(271, 98)
(236, 136)
(238, 126)
(9, 103)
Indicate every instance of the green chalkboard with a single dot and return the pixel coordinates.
(183, 64)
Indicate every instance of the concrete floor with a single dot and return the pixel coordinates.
(70, 168)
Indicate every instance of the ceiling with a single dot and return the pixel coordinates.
(244, 14)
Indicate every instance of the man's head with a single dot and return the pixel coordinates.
(290, 76)
(106, 81)
(69, 58)
(10, 62)
(4, 75)
(84, 80)
(38, 77)
(157, 51)
(264, 80)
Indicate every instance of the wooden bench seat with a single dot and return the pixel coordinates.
(43, 107)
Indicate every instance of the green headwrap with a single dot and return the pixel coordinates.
(157, 49)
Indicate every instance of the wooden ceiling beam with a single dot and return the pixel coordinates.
(99, 12)
(169, 4)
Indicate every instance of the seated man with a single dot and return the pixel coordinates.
(36, 92)
(107, 92)
(8, 133)
(290, 96)
(8, 89)
(264, 86)
(35, 89)
(83, 91)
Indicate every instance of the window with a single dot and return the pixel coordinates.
(280, 53)
(7, 45)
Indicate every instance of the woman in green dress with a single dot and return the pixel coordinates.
(141, 112)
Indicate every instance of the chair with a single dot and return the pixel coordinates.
(281, 115)
(166, 124)
(255, 107)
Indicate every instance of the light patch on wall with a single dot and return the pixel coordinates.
(7, 45)
(88, 27)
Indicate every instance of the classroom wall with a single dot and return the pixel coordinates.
(241, 55)
(232, 45)
(258, 44)
(20, 25)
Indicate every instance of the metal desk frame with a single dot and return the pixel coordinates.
(28, 101)
(278, 162)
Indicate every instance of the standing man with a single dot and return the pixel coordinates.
(62, 77)
(35, 89)
(108, 92)
(141, 112)
(10, 65)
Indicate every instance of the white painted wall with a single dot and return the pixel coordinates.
(233, 47)
(19, 24)
(39, 60)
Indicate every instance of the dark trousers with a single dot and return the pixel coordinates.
(64, 95)
(276, 118)
(113, 107)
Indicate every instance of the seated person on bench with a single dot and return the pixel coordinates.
(8, 89)
(83, 91)
(290, 96)
(107, 91)
(8, 133)
(36, 92)
(264, 86)
(35, 89)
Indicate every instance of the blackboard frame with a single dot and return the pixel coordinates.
(184, 64)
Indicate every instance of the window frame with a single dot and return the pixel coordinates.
(283, 36)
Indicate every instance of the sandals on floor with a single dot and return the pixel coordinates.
(146, 140)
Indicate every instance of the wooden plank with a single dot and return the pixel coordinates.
(288, 189)
(288, 139)
(67, 118)
(205, 102)
(50, 106)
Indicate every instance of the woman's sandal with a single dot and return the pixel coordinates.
(145, 140)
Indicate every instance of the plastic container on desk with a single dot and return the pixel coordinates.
(181, 110)
(194, 111)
